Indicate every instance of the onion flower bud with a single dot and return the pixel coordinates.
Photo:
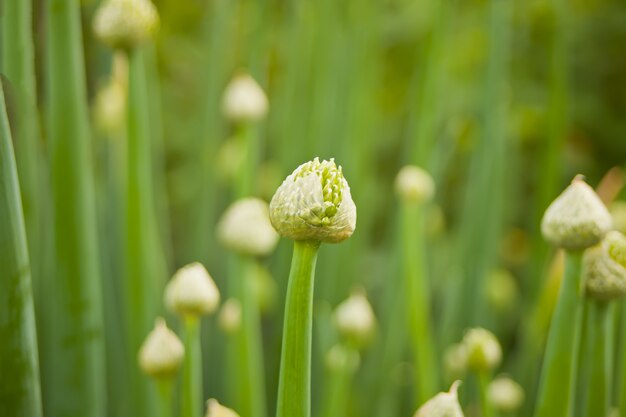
(444, 404)
(505, 394)
(215, 409)
(244, 100)
(355, 320)
(314, 203)
(162, 352)
(125, 24)
(604, 268)
(192, 292)
(414, 185)
(483, 350)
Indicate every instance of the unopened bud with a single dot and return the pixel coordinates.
(577, 219)
(414, 185)
(192, 292)
(444, 404)
(229, 318)
(505, 394)
(125, 24)
(244, 100)
(483, 350)
(162, 352)
(215, 409)
(604, 272)
(355, 319)
(341, 358)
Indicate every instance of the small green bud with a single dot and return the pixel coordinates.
(444, 404)
(483, 350)
(244, 100)
(577, 219)
(125, 24)
(505, 394)
(604, 273)
(229, 318)
(215, 409)
(245, 228)
(414, 185)
(162, 352)
(502, 291)
(192, 292)
(355, 320)
(314, 203)
(341, 358)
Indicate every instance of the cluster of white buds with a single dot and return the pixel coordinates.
(444, 404)
(577, 219)
(125, 24)
(162, 352)
(355, 320)
(244, 100)
(245, 228)
(215, 409)
(314, 203)
(414, 185)
(192, 291)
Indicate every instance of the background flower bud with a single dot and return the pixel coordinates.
(444, 404)
(191, 291)
(162, 352)
(314, 203)
(229, 318)
(245, 228)
(244, 100)
(215, 409)
(340, 358)
(415, 185)
(505, 394)
(604, 278)
(125, 24)
(577, 219)
(355, 319)
(483, 350)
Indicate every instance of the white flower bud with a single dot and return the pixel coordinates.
(604, 271)
(215, 409)
(340, 358)
(244, 100)
(355, 319)
(505, 394)
(483, 350)
(192, 292)
(577, 219)
(444, 404)
(245, 228)
(229, 318)
(414, 185)
(125, 24)
(162, 352)
(314, 203)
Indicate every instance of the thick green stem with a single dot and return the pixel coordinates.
(417, 293)
(294, 384)
(251, 383)
(144, 267)
(20, 393)
(164, 389)
(599, 378)
(484, 379)
(558, 374)
(77, 375)
(191, 401)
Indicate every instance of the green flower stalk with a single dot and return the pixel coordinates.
(75, 379)
(245, 104)
(576, 220)
(415, 187)
(245, 228)
(192, 293)
(20, 392)
(311, 206)
(342, 362)
(160, 357)
(444, 404)
(604, 277)
(484, 354)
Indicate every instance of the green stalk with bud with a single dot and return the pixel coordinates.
(20, 392)
(311, 206)
(483, 354)
(192, 293)
(576, 220)
(604, 274)
(415, 188)
(160, 357)
(245, 228)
